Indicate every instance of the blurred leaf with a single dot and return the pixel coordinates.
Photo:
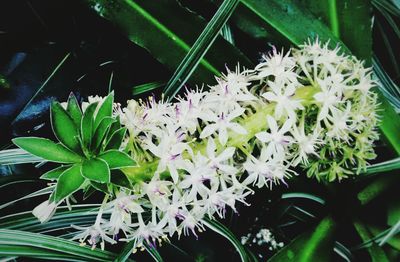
(144, 88)
(47, 149)
(226, 233)
(15, 238)
(392, 232)
(374, 189)
(376, 253)
(316, 245)
(343, 251)
(199, 48)
(304, 196)
(170, 32)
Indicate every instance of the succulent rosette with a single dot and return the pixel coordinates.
(166, 167)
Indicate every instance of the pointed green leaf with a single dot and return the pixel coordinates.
(87, 123)
(74, 110)
(96, 170)
(119, 178)
(47, 149)
(105, 109)
(114, 127)
(55, 173)
(101, 133)
(117, 159)
(64, 127)
(69, 182)
(311, 246)
(116, 139)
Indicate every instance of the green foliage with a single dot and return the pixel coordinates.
(86, 147)
(311, 246)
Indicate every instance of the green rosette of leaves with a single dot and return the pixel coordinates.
(88, 148)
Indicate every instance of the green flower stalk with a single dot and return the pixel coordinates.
(311, 108)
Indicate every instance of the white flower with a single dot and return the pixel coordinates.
(220, 162)
(340, 123)
(149, 232)
(223, 123)
(260, 171)
(169, 151)
(93, 234)
(199, 171)
(329, 100)
(306, 144)
(277, 65)
(282, 96)
(45, 211)
(275, 139)
(158, 192)
(122, 207)
(192, 220)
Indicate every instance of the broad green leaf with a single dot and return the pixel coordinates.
(117, 159)
(68, 183)
(316, 245)
(349, 22)
(47, 149)
(170, 32)
(116, 139)
(101, 133)
(226, 233)
(199, 48)
(96, 170)
(144, 88)
(105, 109)
(87, 125)
(64, 127)
(291, 20)
(120, 179)
(74, 110)
(16, 238)
(55, 173)
(376, 253)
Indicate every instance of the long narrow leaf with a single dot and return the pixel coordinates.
(17, 156)
(226, 233)
(199, 48)
(38, 241)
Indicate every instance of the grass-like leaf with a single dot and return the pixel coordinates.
(147, 87)
(226, 233)
(199, 48)
(15, 238)
(17, 156)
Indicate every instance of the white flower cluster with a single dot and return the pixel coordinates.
(200, 155)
